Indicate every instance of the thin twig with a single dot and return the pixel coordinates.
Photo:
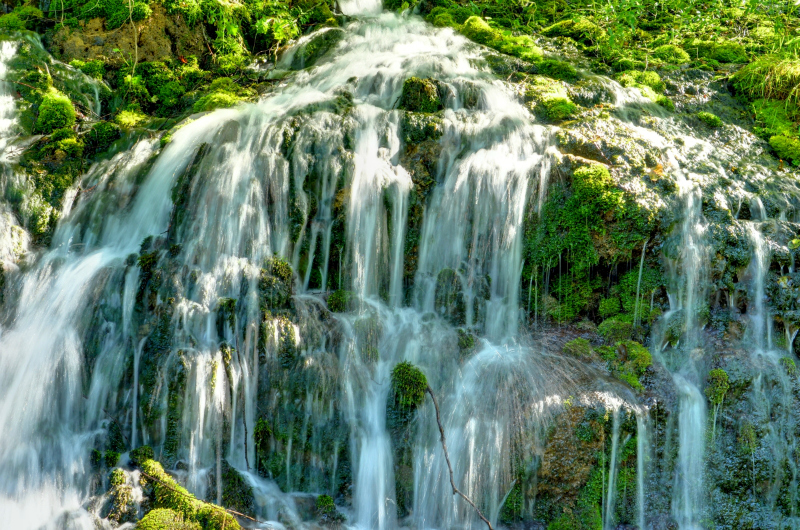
(447, 459)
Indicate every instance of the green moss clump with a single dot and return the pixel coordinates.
(111, 458)
(631, 362)
(775, 118)
(786, 148)
(101, 136)
(557, 70)
(582, 31)
(23, 17)
(237, 494)
(718, 386)
(222, 93)
(580, 348)
(614, 330)
(117, 477)
(166, 519)
(95, 69)
(638, 78)
(720, 52)
(420, 95)
(789, 366)
(409, 384)
(130, 118)
(609, 307)
(559, 109)
(55, 112)
(712, 120)
(669, 53)
(477, 29)
(170, 495)
(276, 282)
(141, 454)
(341, 301)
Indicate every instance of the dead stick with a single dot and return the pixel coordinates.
(447, 459)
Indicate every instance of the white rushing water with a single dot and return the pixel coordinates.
(254, 177)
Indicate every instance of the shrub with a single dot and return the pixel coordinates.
(409, 384)
(712, 120)
(55, 112)
(579, 348)
(669, 53)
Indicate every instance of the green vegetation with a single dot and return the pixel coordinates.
(420, 95)
(55, 112)
(166, 519)
(718, 386)
(712, 120)
(408, 384)
(580, 348)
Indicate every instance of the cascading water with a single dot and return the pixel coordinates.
(160, 314)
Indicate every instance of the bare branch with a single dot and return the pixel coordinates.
(456, 491)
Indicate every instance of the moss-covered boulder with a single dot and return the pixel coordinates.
(55, 112)
(420, 95)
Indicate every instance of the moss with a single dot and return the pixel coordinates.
(23, 17)
(216, 100)
(630, 362)
(718, 385)
(55, 112)
(341, 301)
(276, 283)
(789, 366)
(420, 95)
(609, 307)
(141, 454)
(237, 494)
(130, 118)
(522, 46)
(672, 54)
(117, 477)
(101, 136)
(614, 330)
(557, 70)
(166, 519)
(580, 348)
(712, 120)
(717, 52)
(582, 30)
(638, 78)
(111, 458)
(775, 118)
(466, 343)
(786, 148)
(559, 109)
(409, 384)
(95, 69)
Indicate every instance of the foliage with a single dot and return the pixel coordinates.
(614, 330)
(409, 384)
(22, 17)
(141, 454)
(341, 301)
(671, 54)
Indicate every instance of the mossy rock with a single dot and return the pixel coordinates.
(342, 301)
(319, 44)
(557, 70)
(478, 30)
(55, 112)
(582, 31)
(420, 95)
(718, 386)
(614, 330)
(786, 148)
(711, 120)
(166, 519)
(276, 282)
(670, 53)
(409, 384)
(580, 348)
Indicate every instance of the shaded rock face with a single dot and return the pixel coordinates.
(157, 38)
